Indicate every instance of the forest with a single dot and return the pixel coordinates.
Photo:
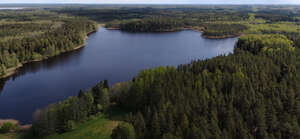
(251, 93)
(28, 36)
(215, 21)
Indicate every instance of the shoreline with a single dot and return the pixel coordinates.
(11, 71)
(17, 123)
(179, 29)
(220, 37)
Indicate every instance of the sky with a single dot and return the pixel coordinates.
(158, 1)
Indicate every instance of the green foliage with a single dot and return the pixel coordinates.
(252, 93)
(61, 117)
(154, 24)
(216, 21)
(248, 94)
(102, 95)
(23, 41)
(100, 127)
(140, 125)
(170, 136)
(70, 126)
(123, 131)
(223, 30)
(264, 43)
(6, 127)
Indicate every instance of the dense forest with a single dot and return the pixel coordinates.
(155, 24)
(251, 93)
(27, 37)
(61, 117)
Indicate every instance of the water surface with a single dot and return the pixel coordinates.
(109, 54)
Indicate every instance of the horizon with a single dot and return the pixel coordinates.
(172, 2)
(60, 3)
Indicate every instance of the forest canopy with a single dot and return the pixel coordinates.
(27, 36)
(248, 94)
(251, 93)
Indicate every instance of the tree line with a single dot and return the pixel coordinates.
(22, 48)
(223, 29)
(252, 93)
(154, 24)
(62, 117)
(248, 94)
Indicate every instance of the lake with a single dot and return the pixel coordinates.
(109, 54)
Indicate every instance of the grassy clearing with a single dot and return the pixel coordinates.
(12, 136)
(8, 136)
(99, 128)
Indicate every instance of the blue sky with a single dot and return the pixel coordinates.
(159, 1)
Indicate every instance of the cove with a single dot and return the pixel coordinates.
(109, 54)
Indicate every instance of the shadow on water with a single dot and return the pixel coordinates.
(2, 83)
(34, 67)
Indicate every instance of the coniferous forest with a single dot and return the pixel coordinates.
(27, 36)
(250, 93)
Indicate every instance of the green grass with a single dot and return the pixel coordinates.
(8, 136)
(99, 128)
(12, 136)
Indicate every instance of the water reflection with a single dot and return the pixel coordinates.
(47, 64)
(109, 54)
(2, 84)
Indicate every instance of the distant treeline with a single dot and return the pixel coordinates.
(155, 24)
(198, 14)
(223, 30)
(218, 20)
(165, 24)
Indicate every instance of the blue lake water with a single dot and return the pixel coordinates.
(109, 54)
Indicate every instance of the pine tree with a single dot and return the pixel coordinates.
(139, 125)
(123, 131)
